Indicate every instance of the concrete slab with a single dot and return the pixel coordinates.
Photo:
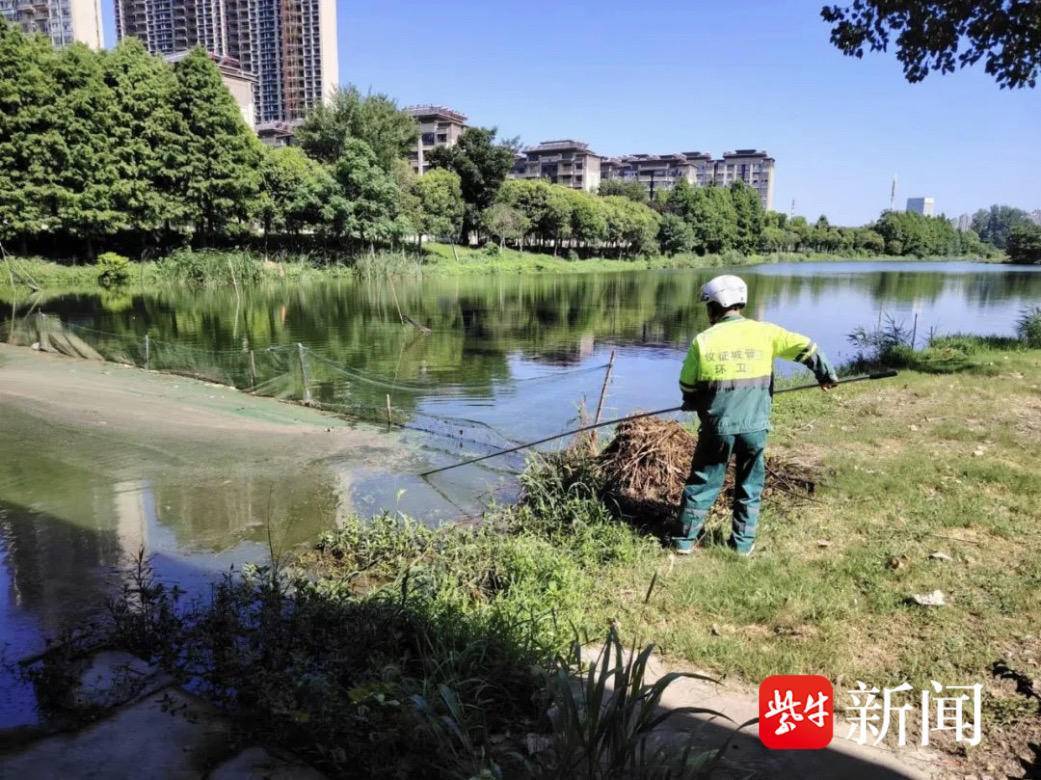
(111, 678)
(168, 734)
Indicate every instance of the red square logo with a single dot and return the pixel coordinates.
(796, 712)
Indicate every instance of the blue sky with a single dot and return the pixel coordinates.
(663, 76)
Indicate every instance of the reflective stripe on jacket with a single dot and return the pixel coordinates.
(729, 371)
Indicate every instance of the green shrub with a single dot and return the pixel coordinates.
(492, 249)
(1029, 327)
(113, 269)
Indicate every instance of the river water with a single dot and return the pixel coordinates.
(506, 358)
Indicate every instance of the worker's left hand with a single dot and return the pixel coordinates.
(829, 385)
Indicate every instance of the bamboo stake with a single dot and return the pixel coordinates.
(303, 373)
(603, 389)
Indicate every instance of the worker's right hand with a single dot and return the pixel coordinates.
(689, 404)
(828, 384)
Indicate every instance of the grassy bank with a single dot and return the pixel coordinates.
(228, 268)
(442, 259)
(390, 645)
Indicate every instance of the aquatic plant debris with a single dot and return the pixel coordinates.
(647, 463)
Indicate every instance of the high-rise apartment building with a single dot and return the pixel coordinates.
(566, 162)
(288, 46)
(659, 172)
(438, 126)
(63, 21)
(924, 206)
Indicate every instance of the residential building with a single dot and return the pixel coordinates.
(63, 21)
(438, 126)
(964, 222)
(923, 206)
(566, 162)
(662, 171)
(1035, 216)
(753, 167)
(240, 84)
(287, 46)
(276, 133)
(659, 172)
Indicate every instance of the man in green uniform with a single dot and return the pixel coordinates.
(727, 379)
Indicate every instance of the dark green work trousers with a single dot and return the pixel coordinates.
(707, 473)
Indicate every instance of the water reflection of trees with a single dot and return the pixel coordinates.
(478, 322)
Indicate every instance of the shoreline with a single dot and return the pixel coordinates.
(31, 275)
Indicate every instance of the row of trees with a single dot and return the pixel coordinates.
(121, 149)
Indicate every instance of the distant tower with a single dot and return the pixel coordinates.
(791, 212)
(892, 195)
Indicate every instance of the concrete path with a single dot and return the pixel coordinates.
(842, 760)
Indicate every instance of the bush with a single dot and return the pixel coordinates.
(573, 255)
(492, 249)
(113, 269)
(1028, 328)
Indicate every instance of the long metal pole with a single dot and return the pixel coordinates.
(583, 429)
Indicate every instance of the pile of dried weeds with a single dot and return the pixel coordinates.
(647, 463)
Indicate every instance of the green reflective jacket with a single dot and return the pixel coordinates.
(728, 372)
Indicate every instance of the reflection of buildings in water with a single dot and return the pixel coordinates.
(135, 510)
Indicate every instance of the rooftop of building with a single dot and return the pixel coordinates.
(748, 153)
(226, 64)
(438, 112)
(561, 145)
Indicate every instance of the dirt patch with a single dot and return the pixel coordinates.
(648, 462)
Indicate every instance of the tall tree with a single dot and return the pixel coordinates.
(441, 207)
(482, 165)
(944, 34)
(714, 220)
(370, 215)
(748, 209)
(218, 163)
(1024, 244)
(86, 117)
(994, 225)
(298, 192)
(145, 136)
(375, 119)
(504, 222)
(31, 147)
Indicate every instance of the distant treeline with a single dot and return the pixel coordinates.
(121, 150)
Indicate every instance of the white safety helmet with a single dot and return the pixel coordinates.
(725, 290)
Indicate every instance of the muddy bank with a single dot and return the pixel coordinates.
(90, 395)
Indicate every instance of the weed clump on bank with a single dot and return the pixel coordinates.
(393, 649)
